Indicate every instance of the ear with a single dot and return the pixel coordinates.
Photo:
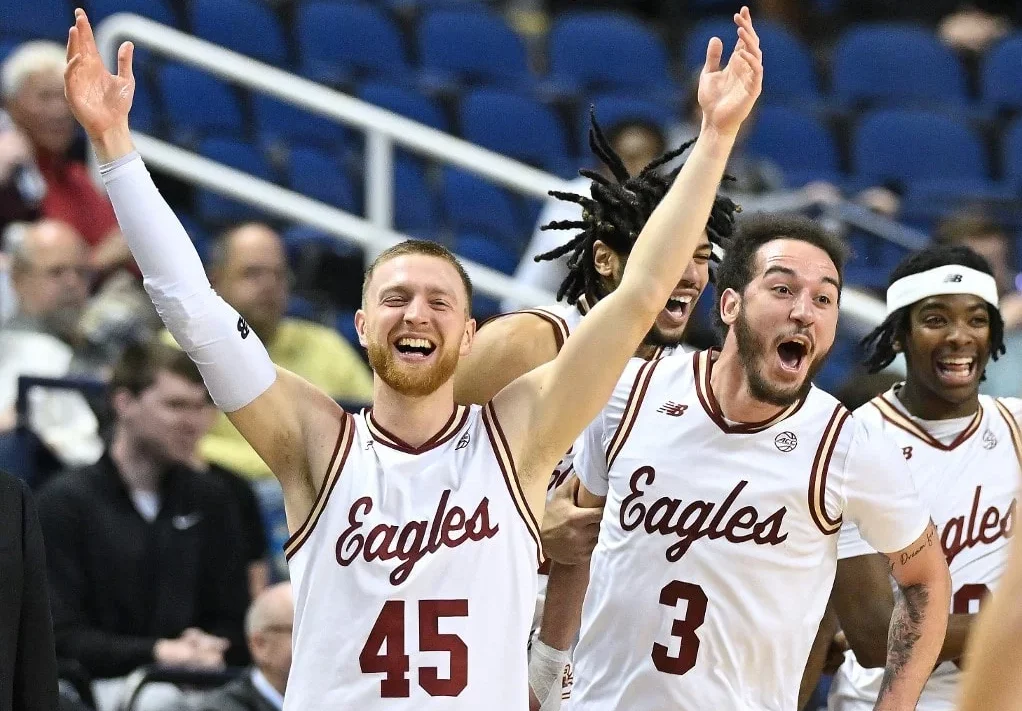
(606, 260)
(468, 338)
(360, 327)
(121, 400)
(730, 306)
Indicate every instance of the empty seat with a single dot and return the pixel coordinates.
(895, 63)
(1012, 152)
(1000, 74)
(616, 108)
(471, 44)
(473, 204)
(481, 249)
(339, 39)
(279, 122)
(798, 143)
(246, 26)
(198, 102)
(214, 207)
(514, 125)
(405, 102)
(156, 10)
(143, 112)
(415, 204)
(36, 19)
(321, 177)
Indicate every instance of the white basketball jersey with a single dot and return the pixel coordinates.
(716, 553)
(967, 473)
(415, 574)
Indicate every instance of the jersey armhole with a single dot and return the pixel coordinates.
(821, 468)
(558, 324)
(1013, 427)
(631, 410)
(341, 449)
(501, 450)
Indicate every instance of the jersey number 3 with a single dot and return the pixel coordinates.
(389, 632)
(684, 629)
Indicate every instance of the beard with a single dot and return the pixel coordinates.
(752, 350)
(409, 380)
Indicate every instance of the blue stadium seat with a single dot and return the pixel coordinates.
(337, 39)
(415, 205)
(514, 125)
(279, 122)
(6, 47)
(1012, 152)
(895, 63)
(198, 233)
(471, 45)
(156, 10)
(143, 112)
(412, 5)
(36, 19)
(215, 208)
(486, 251)
(607, 49)
(345, 325)
(905, 145)
(789, 69)
(246, 26)
(799, 144)
(617, 107)
(474, 204)
(1001, 88)
(321, 177)
(405, 102)
(196, 102)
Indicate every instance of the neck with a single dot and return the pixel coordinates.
(414, 419)
(277, 681)
(139, 471)
(926, 405)
(730, 386)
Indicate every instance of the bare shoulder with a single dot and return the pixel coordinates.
(504, 349)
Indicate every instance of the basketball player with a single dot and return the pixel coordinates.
(515, 343)
(414, 545)
(723, 478)
(962, 449)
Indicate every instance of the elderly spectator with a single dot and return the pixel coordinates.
(32, 82)
(144, 555)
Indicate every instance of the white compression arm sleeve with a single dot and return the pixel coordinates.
(234, 363)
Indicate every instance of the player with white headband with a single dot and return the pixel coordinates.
(962, 449)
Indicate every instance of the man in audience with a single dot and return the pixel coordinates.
(143, 555)
(268, 629)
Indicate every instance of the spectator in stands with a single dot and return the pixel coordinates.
(973, 229)
(638, 142)
(32, 84)
(50, 277)
(21, 185)
(143, 553)
(268, 629)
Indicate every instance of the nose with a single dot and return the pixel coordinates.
(802, 309)
(417, 311)
(959, 335)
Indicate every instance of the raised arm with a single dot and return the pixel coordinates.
(560, 398)
(290, 424)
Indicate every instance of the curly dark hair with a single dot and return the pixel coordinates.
(878, 346)
(616, 212)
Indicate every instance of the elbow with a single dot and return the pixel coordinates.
(872, 655)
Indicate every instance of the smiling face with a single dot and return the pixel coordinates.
(414, 322)
(784, 323)
(947, 346)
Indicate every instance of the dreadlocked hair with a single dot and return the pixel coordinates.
(879, 346)
(616, 211)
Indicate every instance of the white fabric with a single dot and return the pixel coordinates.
(264, 687)
(949, 279)
(234, 364)
(147, 503)
(493, 573)
(758, 559)
(546, 674)
(971, 491)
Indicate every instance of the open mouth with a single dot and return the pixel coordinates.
(792, 354)
(959, 369)
(415, 348)
(677, 308)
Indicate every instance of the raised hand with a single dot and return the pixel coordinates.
(99, 100)
(727, 95)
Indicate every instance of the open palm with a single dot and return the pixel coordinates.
(726, 96)
(99, 100)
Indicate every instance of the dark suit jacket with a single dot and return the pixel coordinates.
(238, 695)
(28, 667)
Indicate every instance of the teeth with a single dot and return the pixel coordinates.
(956, 361)
(414, 343)
(680, 300)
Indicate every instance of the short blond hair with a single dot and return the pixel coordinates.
(28, 59)
(418, 246)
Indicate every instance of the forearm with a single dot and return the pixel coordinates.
(103, 654)
(562, 609)
(958, 629)
(817, 656)
(913, 642)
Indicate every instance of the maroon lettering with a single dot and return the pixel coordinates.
(450, 527)
(672, 517)
(960, 534)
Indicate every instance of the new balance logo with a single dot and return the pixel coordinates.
(906, 452)
(672, 409)
(243, 328)
(463, 442)
(953, 278)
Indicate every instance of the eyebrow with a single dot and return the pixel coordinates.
(788, 271)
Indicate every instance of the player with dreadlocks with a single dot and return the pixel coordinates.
(962, 453)
(613, 215)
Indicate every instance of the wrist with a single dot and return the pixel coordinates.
(716, 139)
(112, 144)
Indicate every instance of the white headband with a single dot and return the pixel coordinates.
(949, 279)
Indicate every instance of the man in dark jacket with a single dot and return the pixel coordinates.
(28, 667)
(268, 628)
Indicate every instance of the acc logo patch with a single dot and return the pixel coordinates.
(786, 441)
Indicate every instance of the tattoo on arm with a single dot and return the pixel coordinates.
(905, 630)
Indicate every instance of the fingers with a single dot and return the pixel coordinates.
(72, 43)
(714, 51)
(124, 55)
(88, 41)
(746, 31)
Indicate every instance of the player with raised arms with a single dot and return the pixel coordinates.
(723, 479)
(414, 539)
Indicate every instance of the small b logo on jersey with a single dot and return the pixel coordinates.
(672, 409)
(906, 452)
(243, 328)
(953, 279)
(989, 440)
(463, 442)
(786, 441)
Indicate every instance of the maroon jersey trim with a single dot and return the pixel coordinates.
(821, 467)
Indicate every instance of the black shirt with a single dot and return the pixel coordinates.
(118, 583)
